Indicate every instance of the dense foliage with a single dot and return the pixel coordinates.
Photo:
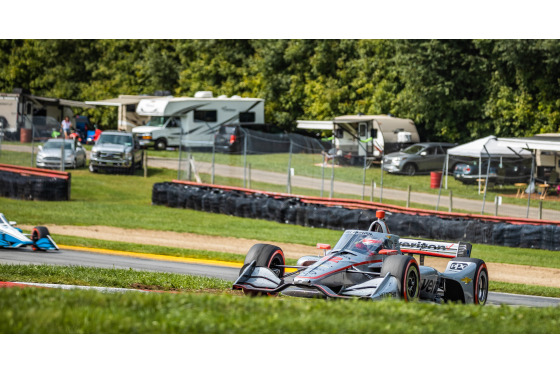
(455, 90)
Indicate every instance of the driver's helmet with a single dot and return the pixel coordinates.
(368, 245)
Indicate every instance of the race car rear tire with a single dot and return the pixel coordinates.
(454, 291)
(405, 269)
(266, 255)
(39, 232)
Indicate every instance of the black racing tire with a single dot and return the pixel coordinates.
(160, 145)
(405, 269)
(410, 169)
(39, 232)
(480, 290)
(266, 255)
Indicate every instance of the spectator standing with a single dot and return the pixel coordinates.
(65, 126)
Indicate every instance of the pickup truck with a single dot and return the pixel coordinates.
(116, 151)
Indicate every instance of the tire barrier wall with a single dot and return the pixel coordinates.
(345, 214)
(24, 183)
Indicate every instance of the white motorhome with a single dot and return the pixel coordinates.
(368, 136)
(195, 120)
(126, 104)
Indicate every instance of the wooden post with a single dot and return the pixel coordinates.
(540, 209)
(450, 200)
(408, 197)
(145, 163)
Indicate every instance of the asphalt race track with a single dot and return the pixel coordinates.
(67, 257)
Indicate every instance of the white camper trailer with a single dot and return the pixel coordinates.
(368, 136)
(194, 119)
(21, 112)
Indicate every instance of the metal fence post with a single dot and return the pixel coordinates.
(381, 193)
(249, 176)
(32, 145)
(323, 177)
(213, 161)
(180, 154)
(289, 180)
(531, 182)
(244, 158)
(62, 151)
(372, 190)
(189, 169)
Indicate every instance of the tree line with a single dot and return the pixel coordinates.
(454, 90)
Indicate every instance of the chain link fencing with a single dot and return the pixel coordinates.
(296, 164)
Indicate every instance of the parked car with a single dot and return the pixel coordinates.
(230, 138)
(504, 171)
(50, 152)
(418, 158)
(116, 151)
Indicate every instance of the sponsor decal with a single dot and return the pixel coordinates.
(466, 280)
(336, 259)
(458, 266)
(428, 285)
(424, 245)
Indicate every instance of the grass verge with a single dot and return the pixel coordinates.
(48, 311)
(88, 276)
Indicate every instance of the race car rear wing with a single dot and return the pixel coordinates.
(435, 249)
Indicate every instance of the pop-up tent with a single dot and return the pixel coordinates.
(488, 147)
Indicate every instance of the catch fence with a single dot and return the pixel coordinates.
(301, 165)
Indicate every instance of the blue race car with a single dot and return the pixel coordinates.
(12, 237)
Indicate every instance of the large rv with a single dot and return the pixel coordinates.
(368, 136)
(195, 120)
(126, 106)
(21, 112)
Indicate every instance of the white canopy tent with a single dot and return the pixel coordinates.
(487, 147)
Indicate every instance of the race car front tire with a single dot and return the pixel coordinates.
(454, 292)
(405, 269)
(266, 255)
(39, 232)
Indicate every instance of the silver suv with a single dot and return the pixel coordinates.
(116, 151)
(418, 158)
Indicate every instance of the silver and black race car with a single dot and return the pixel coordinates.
(370, 264)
